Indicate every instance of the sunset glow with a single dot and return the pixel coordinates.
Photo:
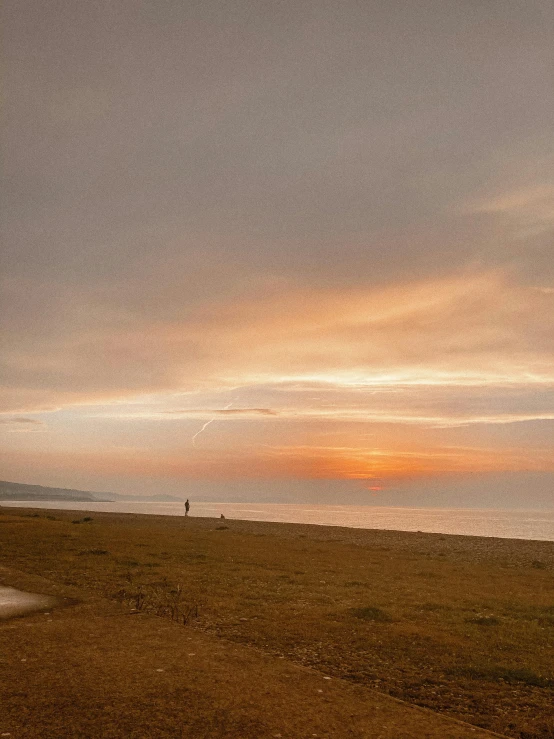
(333, 272)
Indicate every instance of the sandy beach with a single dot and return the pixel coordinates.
(209, 627)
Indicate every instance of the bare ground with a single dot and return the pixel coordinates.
(460, 625)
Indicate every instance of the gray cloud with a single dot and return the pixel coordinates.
(272, 139)
(155, 160)
(21, 425)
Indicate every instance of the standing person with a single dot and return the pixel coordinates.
(187, 507)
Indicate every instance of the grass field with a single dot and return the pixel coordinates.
(461, 625)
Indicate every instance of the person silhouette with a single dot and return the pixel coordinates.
(187, 507)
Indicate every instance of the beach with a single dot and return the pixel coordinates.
(484, 522)
(462, 627)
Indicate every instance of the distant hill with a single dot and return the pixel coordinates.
(20, 491)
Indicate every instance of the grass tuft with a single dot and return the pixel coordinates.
(498, 673)
(483, 620)
(93, 551)
(429, 606)
(355, 584)
(372, 613)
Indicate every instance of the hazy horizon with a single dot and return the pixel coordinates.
(300, 250)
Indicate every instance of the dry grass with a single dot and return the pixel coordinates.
(462, 626)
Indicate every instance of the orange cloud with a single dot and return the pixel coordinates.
(223, 412)
(474, 349)
(470, 329)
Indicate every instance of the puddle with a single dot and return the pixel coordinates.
(15, 602)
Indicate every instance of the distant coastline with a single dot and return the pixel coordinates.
(14, 491)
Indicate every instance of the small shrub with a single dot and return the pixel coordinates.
(162, 600)
(538, 565)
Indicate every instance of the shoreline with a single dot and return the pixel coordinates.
(522, 524)
(512, 551)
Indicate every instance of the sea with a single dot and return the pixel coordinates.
(507, 524)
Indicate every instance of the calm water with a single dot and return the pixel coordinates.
(15, 602)
(514, 524)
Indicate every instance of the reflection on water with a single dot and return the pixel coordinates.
(511, 524)
(16, 602)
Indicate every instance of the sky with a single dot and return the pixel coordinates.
(287, 251)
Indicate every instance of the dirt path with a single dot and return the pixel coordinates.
(95, 670)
